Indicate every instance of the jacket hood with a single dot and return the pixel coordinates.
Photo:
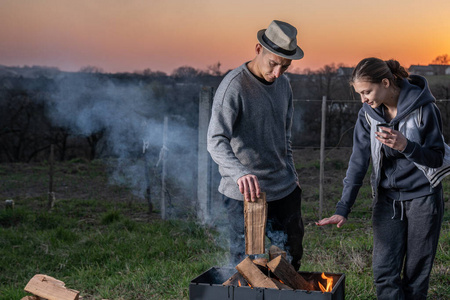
(414, 93)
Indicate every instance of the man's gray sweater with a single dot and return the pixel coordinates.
(250, 133)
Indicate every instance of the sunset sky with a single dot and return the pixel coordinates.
(133, 35)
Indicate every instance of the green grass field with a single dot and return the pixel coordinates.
(100, 240)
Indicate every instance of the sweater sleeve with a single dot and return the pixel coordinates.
(431, 151)
(220, 132)
(289, 120)
(357, 166)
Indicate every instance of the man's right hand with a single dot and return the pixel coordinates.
(249, 187)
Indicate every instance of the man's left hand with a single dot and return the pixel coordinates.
(249, 187)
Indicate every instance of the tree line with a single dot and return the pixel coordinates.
(40, 107)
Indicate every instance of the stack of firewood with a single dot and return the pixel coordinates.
(45, 287)
(277, 273)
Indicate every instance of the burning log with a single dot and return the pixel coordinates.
(50, 288)
(236, 280)
(209, 285)
(256, 278)
(287, 274)
(255, 217)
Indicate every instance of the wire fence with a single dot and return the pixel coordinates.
(341, 116)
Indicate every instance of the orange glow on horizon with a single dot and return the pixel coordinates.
(119, 36)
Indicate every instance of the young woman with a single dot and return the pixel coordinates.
(408, 201)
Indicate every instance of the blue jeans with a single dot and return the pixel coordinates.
(405, 236)
(284, 227)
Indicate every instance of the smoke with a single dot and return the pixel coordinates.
(279, 239)
(129, 120)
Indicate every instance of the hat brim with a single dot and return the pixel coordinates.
(298, 51)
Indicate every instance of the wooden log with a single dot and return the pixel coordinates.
(256, 278)
(262, 262)
(50, 288)
(274, 251)
(280, 285)
(236, 280)
(255, 217)
(253, 274)
(287, 274)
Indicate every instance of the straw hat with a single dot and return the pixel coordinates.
(280, 38)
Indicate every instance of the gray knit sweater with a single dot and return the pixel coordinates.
(250, 133)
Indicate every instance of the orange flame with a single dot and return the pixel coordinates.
(329, 284)
(239, 283)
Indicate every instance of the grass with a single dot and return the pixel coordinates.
(100, 240)
(107, 255)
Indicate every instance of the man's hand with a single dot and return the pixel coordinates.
(249, 187)
(334, 219)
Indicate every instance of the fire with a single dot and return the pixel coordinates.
(329, 284)
(239, 283)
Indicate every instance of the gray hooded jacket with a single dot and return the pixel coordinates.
(400, 175)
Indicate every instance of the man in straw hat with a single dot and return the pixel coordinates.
(249, 137)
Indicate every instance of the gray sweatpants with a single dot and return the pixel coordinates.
(406, 235)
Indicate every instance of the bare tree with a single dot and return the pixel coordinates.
(91, 69)
(26, 132)
(215, 69)
(185, 72)
(443, 59)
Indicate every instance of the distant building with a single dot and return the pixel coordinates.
(421, 70)
(429, 70)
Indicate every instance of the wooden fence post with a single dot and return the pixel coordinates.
(164, 171)
(322, 154)
(51, 193)
(204, 160)
(148, 194)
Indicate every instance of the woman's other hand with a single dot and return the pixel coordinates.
(334, 219)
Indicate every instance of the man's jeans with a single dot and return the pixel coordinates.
(406, 236)
(284, 227)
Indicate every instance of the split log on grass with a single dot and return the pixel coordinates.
(287, 274)
(274, 251)
(50, 288)
(256, 278)
(255, 217)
